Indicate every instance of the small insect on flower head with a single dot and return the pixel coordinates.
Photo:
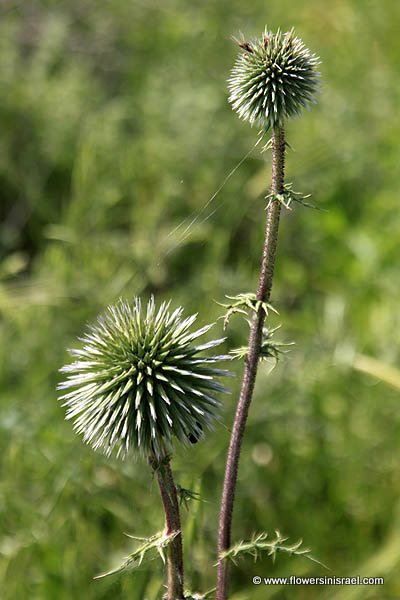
(194, 438)
(274, 77)
(140, 380)
(246, 46)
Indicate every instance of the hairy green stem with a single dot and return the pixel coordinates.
(251, 364)
(173, 524)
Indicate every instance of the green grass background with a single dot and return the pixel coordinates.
(114, 127)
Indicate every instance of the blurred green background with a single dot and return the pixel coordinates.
(115, 128)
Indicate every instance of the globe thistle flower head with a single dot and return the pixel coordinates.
(140, 380)
(274, 77)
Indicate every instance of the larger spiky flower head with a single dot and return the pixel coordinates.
(139, 381)
(274, 77)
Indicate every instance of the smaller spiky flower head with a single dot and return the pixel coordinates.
(139, 381)
(274, 77)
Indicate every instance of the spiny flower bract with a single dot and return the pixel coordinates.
(139, 381)
(274, 77)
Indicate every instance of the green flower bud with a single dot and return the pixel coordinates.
(139, 381)
(273, 78)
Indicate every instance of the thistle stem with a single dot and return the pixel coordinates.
(251, 363)
(173, 524)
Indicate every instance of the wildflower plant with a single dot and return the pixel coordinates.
(274, 78)
(139, 383)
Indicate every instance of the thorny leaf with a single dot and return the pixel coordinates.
(197, 596)
(242, 304)
(288, 196)
(259, 544)
(186, 495)
(157, 542)
(269, 347)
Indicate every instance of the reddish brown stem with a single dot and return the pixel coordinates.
(251, 364)
(173, 525)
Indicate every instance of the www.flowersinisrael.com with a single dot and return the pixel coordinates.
(294, 580)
